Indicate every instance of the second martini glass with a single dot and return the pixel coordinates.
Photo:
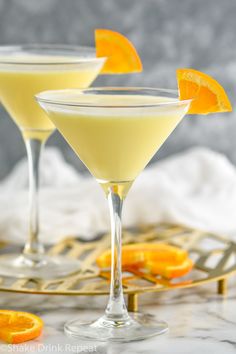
(115, 132)
(25, 71)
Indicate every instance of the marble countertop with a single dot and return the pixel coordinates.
(200, 321)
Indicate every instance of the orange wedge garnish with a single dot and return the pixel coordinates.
(139, 253)
(17, 327)
(122, 57)
(207, 94)
(168, 270)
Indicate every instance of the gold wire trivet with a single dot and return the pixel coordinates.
(214, 257)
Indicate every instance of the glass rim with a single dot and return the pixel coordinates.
(88, 51)
(143, 91)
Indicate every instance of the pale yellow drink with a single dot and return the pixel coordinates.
(116, 144)
(115, 132)
(20, 82)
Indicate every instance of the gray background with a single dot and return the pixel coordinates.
(167, 33)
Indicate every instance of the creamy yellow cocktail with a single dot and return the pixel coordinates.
(20, 82)
(25, 71)
(116, 145)
(115, 132)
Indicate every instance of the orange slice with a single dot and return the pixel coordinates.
(17, 327)
(139, 253)
(208, 95)
(168, 270)
(122, 57)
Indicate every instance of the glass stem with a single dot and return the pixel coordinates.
(116, 309)
(33, 249)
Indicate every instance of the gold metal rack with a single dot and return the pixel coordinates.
(214, 261)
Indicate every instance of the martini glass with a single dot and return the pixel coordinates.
(25, 71)
(115, 132)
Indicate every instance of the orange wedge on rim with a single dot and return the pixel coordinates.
(208, 95)
(122, 57)
(17, 327)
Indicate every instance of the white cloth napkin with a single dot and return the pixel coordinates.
(196, 188)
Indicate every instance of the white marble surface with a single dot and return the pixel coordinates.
(200, 322)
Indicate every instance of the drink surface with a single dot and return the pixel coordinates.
(116, 143)
(23, 78)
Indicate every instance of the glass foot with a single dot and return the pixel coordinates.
(50, 267)
(138, 326)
